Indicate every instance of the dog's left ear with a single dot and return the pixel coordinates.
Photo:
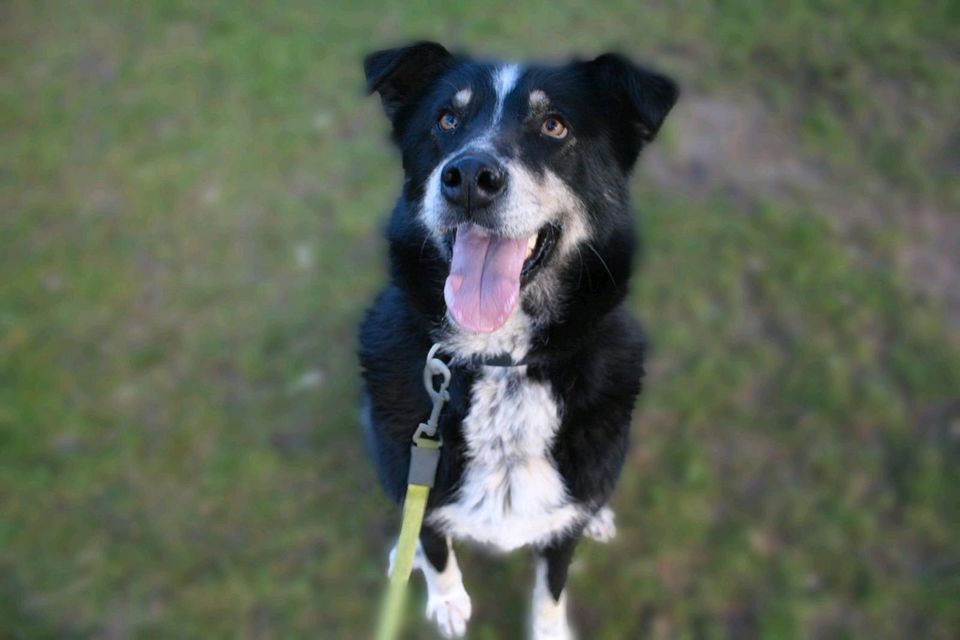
(400, 75)
(646, 96)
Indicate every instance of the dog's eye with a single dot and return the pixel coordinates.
(448, 121)
(554, 128)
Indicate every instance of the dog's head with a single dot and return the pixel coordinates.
(511, 168)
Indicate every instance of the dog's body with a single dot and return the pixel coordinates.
(511, 247)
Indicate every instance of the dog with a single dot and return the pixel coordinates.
(510, 246)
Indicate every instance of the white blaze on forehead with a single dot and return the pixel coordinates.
(462, 98)
(538, 99)
(504, 80)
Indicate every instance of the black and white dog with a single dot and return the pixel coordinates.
(510, 246)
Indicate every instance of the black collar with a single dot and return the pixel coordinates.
(476, 361)
(498, 360)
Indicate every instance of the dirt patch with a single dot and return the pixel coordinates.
(738, 148)
(930, 258)
(719, 144)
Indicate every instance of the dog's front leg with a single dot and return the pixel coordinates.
(549, 593)
(448, 603)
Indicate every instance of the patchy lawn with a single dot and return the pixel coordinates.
(192, 200)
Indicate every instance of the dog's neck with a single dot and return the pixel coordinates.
(514, 339)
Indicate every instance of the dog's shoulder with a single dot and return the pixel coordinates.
(598, 390)
(392, 334)
(393, 344)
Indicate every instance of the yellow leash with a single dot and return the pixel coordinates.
(392, 614)
(424, 457)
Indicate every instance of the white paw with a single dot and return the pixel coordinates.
(552, 632)
(450, 611)
(550, 620)
(547, 633)
(601, 526)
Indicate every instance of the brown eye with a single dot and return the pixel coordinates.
(448, 121)
(554, 128)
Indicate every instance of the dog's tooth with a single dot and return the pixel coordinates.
(531, 244)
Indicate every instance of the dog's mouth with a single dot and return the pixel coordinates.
(487, 272)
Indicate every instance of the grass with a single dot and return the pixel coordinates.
(192, 198)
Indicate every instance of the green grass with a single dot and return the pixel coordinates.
(191, 204)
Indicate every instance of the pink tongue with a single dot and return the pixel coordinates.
(484, 282)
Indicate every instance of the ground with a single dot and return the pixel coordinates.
(192, 204)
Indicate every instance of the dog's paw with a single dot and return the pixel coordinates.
(450, 610)
(601, 526)
(550, 618)
(553, 632)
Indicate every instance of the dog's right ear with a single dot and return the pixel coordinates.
(400, 75)
(647, 95)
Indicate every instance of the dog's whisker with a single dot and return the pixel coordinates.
(580, 272)
(423, 246)
(602, 261)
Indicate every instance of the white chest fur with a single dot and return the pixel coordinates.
(511, 494)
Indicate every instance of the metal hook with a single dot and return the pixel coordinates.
(436, 367)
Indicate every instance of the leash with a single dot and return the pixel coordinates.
(424, 457)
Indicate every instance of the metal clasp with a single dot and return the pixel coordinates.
(425, 451)
(427, 434)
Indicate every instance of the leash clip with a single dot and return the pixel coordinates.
(434, 367)
(425, 452)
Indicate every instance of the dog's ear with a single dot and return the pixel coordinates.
(645, 96)
(400, 75)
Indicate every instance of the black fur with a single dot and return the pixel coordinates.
(558, 555)
(587, 346)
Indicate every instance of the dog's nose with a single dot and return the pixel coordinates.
(473, 181)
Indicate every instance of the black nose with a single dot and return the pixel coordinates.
(473, 181)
